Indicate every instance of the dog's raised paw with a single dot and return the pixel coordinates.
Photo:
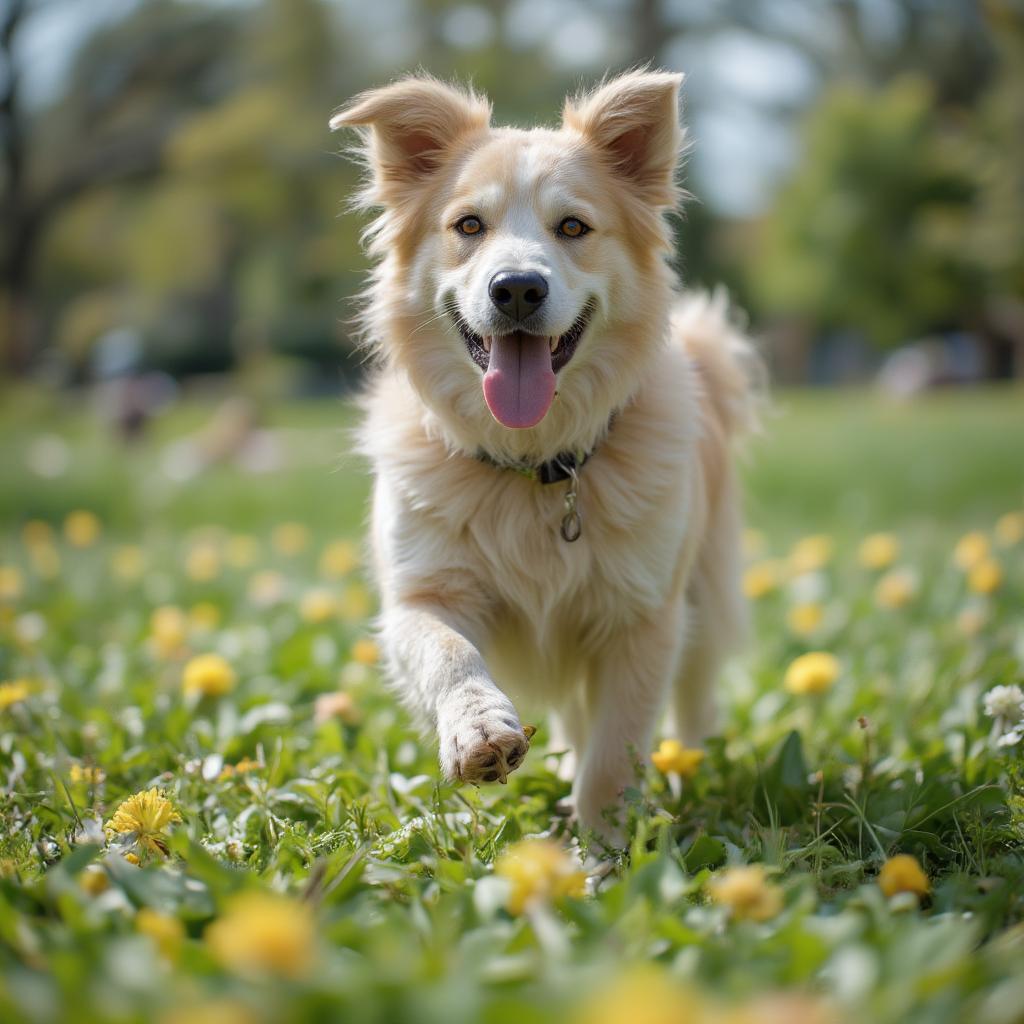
(483, 748)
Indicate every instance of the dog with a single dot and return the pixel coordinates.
(550, 424)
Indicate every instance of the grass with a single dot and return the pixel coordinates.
(397, 900)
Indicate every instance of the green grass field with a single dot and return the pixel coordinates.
(301, 860)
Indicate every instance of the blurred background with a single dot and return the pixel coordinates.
(172, 198)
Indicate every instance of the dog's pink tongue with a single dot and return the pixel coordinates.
(519, 384)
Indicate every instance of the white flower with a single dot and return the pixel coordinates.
(1011, 738)
(1005, 702)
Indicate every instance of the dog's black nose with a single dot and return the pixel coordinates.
(517, 293)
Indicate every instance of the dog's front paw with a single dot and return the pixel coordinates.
(482, 744)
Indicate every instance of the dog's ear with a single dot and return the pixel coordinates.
(410, 128)
(634, 121)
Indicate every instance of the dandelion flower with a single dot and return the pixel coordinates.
(318, 606)
(247, 764)
(262, 933)
(266, 588)
(338, 559)
(761, 579)
(1010, 529)
(14, 692)
(168, 630)
(365, 652)
(94, 880)
(986, 577)
(812, 673)
(811, 553)
(970, 549)
(643, 994)
(805, 618)
(145, 816)
(1005, 703)
(11, 584)
(167, 932)
(672, 756)
(903, 873)
(896, 589)
(540, 871)
(878, 551)
(290, 538)
(208, 675)
(82, 528)
(86, 774)
(203, 563)
(747, 892)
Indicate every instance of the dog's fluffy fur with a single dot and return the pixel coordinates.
(482, 599)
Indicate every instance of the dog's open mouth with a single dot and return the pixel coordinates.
(519, 368)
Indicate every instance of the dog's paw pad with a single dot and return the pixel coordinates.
(484, 750)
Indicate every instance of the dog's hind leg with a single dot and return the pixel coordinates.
(716, 628)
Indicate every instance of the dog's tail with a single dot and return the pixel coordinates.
(731, 373)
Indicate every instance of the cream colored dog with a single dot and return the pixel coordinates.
(555, 517)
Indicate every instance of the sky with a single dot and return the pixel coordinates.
(735, 84)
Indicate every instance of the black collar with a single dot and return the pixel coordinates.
(561, 467)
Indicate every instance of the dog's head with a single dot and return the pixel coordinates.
(516, 265)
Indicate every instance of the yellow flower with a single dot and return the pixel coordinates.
(878, 551)
(747, 892)
(86, 774)
(970, 549)
(145, 816)
(896, 589)
(903, 873)
(204, 616)
(11, 584)
(811, 553)
(290, 538)
(318, 606)
(812, 673)
(242, 551)
(335, 705)
(338, 559)
(167, 630)
(202, 563)
(208, 675)
(128, 562)
(985, 577)
(804, 619)
(132, 858)
(540, 871)
(247, 764)
(81, 528)
(365, 651)
(94, 880)
(167, 932)
(261, 933)
(37, 532)
(672, 756)
(14, 692)
(762, 578)
(644, 994)
(1010, 529)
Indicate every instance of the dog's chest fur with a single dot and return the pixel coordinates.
(438, 513)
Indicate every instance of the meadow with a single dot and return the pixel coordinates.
(212, 810)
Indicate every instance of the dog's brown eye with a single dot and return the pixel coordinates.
(572, 227)
(469, 226)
